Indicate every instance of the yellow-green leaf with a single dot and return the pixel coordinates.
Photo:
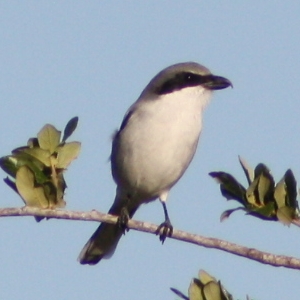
(250, 193)
(67, 153)
(285, 215)
(32, 196)
(212, 291)
(264, 187)
(49, 138)
(54, 196)
(205, 277)
(38, 153)
(280, 193)
(195, 292)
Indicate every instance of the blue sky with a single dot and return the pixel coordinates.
(60, 59)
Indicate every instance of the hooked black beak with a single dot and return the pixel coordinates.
(213, 82)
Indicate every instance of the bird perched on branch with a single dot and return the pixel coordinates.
(153, 147)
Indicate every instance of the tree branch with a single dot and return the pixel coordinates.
(250, 253)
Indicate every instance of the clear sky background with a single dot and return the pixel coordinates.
(59, 59)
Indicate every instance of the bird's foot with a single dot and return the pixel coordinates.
(164, 230)
(123, 220)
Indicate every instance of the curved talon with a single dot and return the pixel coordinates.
(164, 230)
(123, 220)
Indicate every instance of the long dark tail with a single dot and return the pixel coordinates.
(104, 241)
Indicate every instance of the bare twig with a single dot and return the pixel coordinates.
(250, 253)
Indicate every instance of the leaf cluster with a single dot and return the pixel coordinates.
(36, 170)
(262, 198)
(205, 287)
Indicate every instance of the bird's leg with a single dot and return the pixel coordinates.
(123, 219)
(165, 229)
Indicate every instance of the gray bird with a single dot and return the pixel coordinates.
(153, 147)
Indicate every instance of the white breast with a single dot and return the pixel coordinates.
(158, 142)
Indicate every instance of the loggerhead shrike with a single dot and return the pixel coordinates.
(153, 147)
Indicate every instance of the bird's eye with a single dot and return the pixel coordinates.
(188, 77)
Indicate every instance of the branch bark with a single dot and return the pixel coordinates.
(250, 253)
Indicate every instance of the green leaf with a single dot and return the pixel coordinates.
(251, 193)
(249, 172)
(49, 138)
(69, 129)
(195, 292)
(32, 196)
(54, 195)
(179, 294)
(225, 295)
(33, 142)
(212, 291)
(285, 215)
(67, 153)
(286, 198)
(291, 189)
(230, 187)
(280, 193)
(261, 169)
(265, 184)
(262, 198)
(38, 167)
(204, 277)
(265, 188)
(40, 154)
(226, 214)
(266, 212)
(9, 164)
(260, 191)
